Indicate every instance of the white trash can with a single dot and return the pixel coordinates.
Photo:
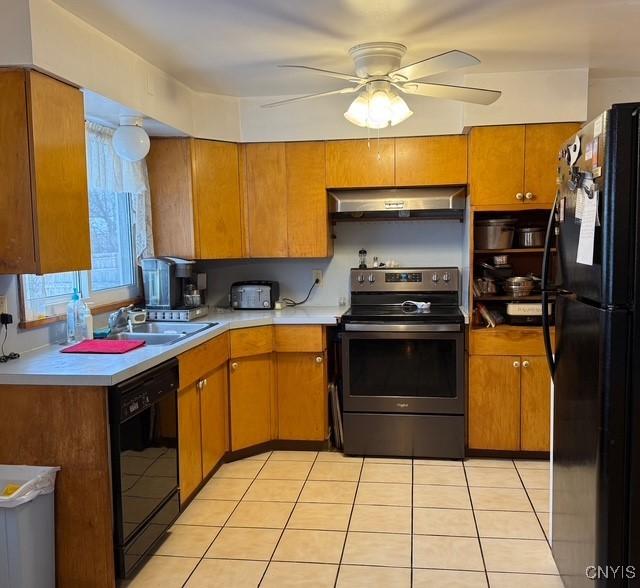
(27, 538)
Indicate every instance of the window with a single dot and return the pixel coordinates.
(119, 229)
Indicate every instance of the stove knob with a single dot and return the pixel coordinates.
(446, 277)
(372, 278)
(360, 278)
(435, 278)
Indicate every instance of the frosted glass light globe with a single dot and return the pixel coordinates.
(131, 142)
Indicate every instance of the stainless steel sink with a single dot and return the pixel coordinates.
(161, 333)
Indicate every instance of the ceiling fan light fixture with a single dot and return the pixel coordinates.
(358, 111)
(400, 111)
(379, 108)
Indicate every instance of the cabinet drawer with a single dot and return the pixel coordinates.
(251, 341)
(507, 341)
(300, 338)
(201, 360)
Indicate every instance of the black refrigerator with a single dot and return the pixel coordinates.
(595, 361)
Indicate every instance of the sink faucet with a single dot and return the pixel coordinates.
(119, 320)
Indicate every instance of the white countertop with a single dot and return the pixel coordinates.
(47, 366)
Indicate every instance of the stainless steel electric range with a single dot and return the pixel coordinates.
(403, 364)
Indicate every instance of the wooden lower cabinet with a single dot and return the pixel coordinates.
(302, 396)
(250, 393)
(494, 402)
(535, 394)
(189, 440)
(214, 411)
(509, 403)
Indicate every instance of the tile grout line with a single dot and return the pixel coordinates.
(475, 522)
(535, 512)
(295, 503)
(412, 527)
(228, 517)
(353, 504)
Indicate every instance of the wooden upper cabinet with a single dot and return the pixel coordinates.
(195, 198)
(43, 164)
(542, 144)
(494, 402)
(170, 181)
(266, 199)
(308, 228)
(361, 163)
(496, 165)
(216, 191)
(431, 161)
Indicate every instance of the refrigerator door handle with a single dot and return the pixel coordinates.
(546, 258)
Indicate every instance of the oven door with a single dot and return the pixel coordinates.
(403, 371)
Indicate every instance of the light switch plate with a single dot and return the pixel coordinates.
(3, 305)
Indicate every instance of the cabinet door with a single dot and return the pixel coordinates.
(302, 396)
(250, 398)
(17, 254)
(59, 175)
(216, 191)
(494, 402)
(496, 165)
(308, 227)
(536, 404)
(266, 195)
(189, 440)
(170, 181)
(360, 163)
(214, 418)
(431, 161)
(542, 144)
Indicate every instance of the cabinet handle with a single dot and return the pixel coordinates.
(516, 364)
(529, 196)
(235, 365)
(199, 385)
(319, 359)
(525, 364)
(204, 382)
(519, 196)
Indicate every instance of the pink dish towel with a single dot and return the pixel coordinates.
(103, 346)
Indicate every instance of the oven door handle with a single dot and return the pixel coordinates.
(401, 328)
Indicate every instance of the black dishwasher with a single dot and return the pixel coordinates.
(144, 462)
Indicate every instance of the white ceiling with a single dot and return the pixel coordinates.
(233, 46)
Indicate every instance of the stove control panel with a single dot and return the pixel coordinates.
(438, 279)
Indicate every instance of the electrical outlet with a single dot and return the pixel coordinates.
(3, 305)
(317, 275)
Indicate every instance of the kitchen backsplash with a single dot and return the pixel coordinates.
(411, 243)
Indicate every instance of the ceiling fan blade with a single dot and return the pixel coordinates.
(434, 65)
(310, 96)
(328, 73)
(448, 92)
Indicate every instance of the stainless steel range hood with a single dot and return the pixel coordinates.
(442, 202)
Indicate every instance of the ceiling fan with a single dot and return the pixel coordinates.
(379, 75)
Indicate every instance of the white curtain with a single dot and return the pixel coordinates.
(108, 173)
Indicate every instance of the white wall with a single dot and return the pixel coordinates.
(15, 33)
(73, 50)
(411, 243)
(529, 97)
(603, 92)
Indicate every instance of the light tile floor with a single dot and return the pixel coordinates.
(321, 520)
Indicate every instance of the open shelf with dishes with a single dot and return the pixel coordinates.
(506, 268)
